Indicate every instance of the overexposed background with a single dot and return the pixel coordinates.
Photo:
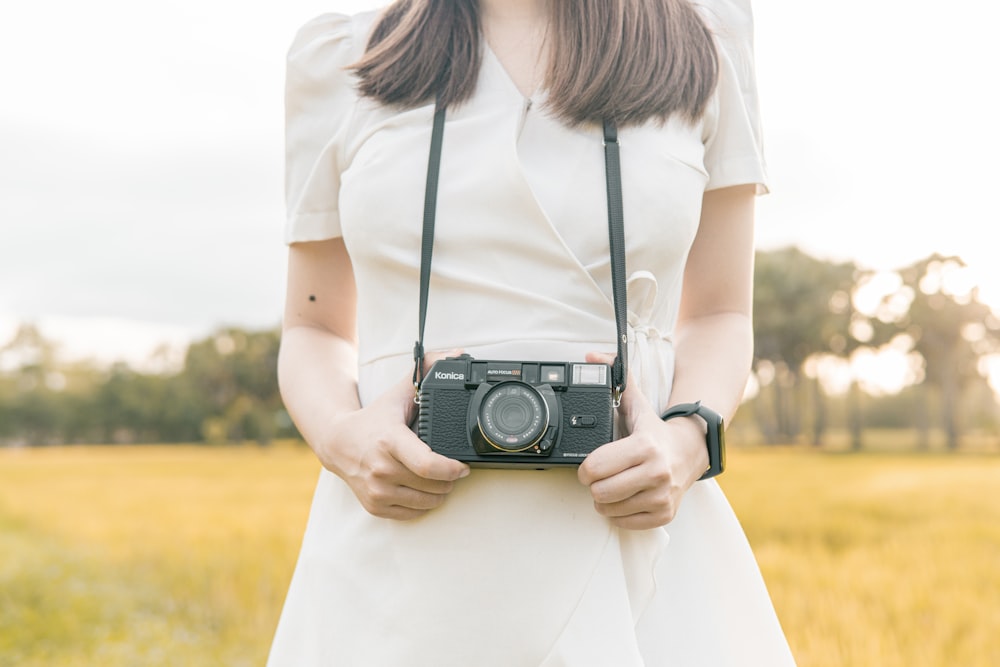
(141, 154)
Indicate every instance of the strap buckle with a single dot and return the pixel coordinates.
(616, 396)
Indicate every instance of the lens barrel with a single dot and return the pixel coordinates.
(513, 416)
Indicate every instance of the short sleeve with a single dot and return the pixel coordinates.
(320, 98)
(732, 134)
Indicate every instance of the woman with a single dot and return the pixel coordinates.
(411, 558)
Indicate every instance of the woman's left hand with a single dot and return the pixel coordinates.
(639, 480)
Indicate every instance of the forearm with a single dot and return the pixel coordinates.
(713, 357)
(317, 376)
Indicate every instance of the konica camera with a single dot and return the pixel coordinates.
(515, 414)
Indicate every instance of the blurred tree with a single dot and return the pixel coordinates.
(948, 326)
(137, 407)
(30, 355)
(802, 307)
(30, 411)
(234, 373)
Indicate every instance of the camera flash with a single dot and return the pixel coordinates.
(596, 374)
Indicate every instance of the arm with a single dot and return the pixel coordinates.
(391, 471)
(714, 334)
(638, 481)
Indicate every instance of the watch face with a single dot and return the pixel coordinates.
(715, 440)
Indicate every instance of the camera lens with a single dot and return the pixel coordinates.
(513, 416)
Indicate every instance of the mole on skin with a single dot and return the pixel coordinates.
(312, 297)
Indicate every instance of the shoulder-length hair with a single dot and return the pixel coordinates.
(627, 60)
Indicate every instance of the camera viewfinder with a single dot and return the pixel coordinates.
(554, 374)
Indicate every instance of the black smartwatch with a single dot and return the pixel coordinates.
(715, 436)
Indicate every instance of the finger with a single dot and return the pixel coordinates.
(388, 472)
(643, 501)
(414, 481)
(639, 513)
(620, 487)
(418, 458)
(382, 497)
(640, 521)
(609, 460)
(600, 357)
(413, 499)
(396, 513)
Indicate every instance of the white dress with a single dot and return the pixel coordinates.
(516, 569)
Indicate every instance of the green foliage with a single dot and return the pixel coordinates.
(801, 306)
(226, 391)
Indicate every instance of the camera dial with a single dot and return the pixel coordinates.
(513, 417)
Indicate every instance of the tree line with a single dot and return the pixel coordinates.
(815, 322)
(225, 391)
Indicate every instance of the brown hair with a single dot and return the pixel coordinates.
(629, 60)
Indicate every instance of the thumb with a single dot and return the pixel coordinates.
(601, 358)
(403, 393)
(633, 401)
(400, 396)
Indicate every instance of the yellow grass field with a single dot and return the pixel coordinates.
(180, 555)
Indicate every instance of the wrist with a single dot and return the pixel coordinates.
(686, 435)
(334, 451)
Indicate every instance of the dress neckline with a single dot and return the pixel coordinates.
(490, 57)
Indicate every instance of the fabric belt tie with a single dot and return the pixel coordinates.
(651, 352)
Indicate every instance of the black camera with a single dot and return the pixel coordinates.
(515, 414)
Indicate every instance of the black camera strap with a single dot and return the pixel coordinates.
(616, 238)
(616, 243)
(427, 240)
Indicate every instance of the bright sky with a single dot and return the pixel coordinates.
(141, 156)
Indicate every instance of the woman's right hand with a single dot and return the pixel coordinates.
(393, 473)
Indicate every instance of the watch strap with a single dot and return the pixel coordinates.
(715, 437)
